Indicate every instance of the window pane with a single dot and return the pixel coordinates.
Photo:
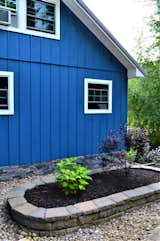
(3, 93)
(97, 92)
(95, 106)
(40, 10)
(14, 20)
(11, 4)
(40, 24)
(41, 16)
(3, 82)
(97, 96)
(2, 2)
(98, 86)
(91, 98)
(97, 99)
(104, 99)
(105, 93)
(91, 92)
(8, 3)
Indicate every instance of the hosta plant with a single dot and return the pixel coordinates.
(72, 177)
(152, 156)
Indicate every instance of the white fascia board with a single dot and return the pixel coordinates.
(134, 72)
(105, 39)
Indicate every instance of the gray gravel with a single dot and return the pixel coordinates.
(130, 226)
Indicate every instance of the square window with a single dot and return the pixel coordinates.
(98, 96)
(6, 93)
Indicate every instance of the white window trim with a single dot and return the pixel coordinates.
(97, 81)
(10, 76)
(22, 21)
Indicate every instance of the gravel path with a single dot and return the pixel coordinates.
(131, 226)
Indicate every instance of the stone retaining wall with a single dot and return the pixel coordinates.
(44, 168)
(53, 220)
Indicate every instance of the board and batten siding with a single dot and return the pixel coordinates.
(49, 120)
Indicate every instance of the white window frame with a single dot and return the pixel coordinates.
(97, 111)
(21, 10)
(10, 76)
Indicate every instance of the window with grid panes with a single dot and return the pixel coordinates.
(98, 96)
(41, 16)
(6, 93)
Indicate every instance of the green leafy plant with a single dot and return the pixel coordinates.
(131, 155)
(71, 176)
(151, 156)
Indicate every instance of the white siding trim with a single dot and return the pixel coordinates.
(10, 76)
(97, 81)
(22, 21)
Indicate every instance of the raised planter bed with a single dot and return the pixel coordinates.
(47, 218)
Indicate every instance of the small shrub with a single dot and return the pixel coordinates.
(130, 139)
(110, 143)
(131, 155)
(113, 147)
(71, 176)
(114, 140)
(137, 140)
(152, 156)
(141, 143)
(134, 141)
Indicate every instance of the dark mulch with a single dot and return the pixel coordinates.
(103, 184)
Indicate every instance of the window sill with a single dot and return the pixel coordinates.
(31, 32)
(7, 113)
(98, 112)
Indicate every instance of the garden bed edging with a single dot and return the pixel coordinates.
(55, 220)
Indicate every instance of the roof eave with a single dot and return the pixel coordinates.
(134, 73)
(106, 38)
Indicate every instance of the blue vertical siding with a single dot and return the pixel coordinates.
(24, 112)
(45, 112)
(35, 112)
(49, 120)
(4, 130)
(14, 123)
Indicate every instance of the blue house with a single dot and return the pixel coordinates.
(63, 80)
